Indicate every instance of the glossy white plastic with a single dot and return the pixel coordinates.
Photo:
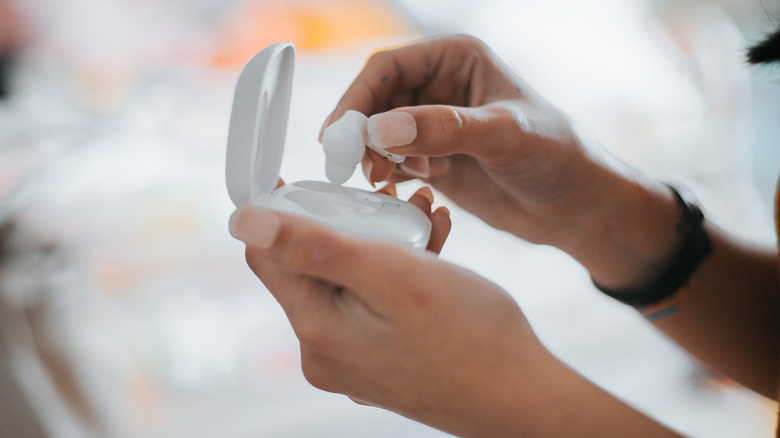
(258, 125)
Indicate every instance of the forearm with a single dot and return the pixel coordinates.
(728, 317)
(548, 399)
(624, 232)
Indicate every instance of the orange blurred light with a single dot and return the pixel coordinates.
(309, 24)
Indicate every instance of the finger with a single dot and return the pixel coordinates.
(398, 177)
(418, 167)
(443, 130)
(441, 226)
(393, 78)
(381, 77)
(305, 247)
(440, 219)
(279, 183)
(375, 167)
(389, 190)
(422, 199)
(427, 169)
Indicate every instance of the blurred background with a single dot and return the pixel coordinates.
(126, 310)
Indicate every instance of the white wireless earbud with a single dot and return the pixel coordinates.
(344, 142)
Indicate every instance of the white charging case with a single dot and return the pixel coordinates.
(258, 125)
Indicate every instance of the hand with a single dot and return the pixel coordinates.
(395, 327)
(478, 133)
(473, 129)
(403, 342)
(430, 343)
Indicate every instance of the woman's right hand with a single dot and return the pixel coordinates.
(475, 131)
(478, 133)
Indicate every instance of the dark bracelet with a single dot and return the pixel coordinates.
(695, 247)
(6, 61)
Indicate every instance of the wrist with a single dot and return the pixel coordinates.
(626, 232)
(662, 289)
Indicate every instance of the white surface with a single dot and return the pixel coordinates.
(258, 123)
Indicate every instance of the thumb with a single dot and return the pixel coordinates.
(440, 130)
(299, 245)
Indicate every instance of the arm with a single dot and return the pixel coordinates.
(734, 294)
(484, 138)
(13, 31)
(727, 316)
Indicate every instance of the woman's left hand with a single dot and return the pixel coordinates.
(389, 325)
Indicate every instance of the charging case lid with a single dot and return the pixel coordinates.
(258, 123)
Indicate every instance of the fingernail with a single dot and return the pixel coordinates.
(254, 226)
(395, 128)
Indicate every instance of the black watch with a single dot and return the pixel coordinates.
(695, 247)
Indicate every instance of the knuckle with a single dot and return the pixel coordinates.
(469, 42)
(450, 122)
(508, 120)
(305, 329)
(311, 334)
(254, 260)
(379, 59)
(315, 372)
(252, 255)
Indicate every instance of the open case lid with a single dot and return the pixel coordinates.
(258, 123)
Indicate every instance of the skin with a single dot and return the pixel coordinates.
(439, 344)
(497, 148)
(13, 32)
(507, 155)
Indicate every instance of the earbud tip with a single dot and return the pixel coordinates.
(338, 174)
